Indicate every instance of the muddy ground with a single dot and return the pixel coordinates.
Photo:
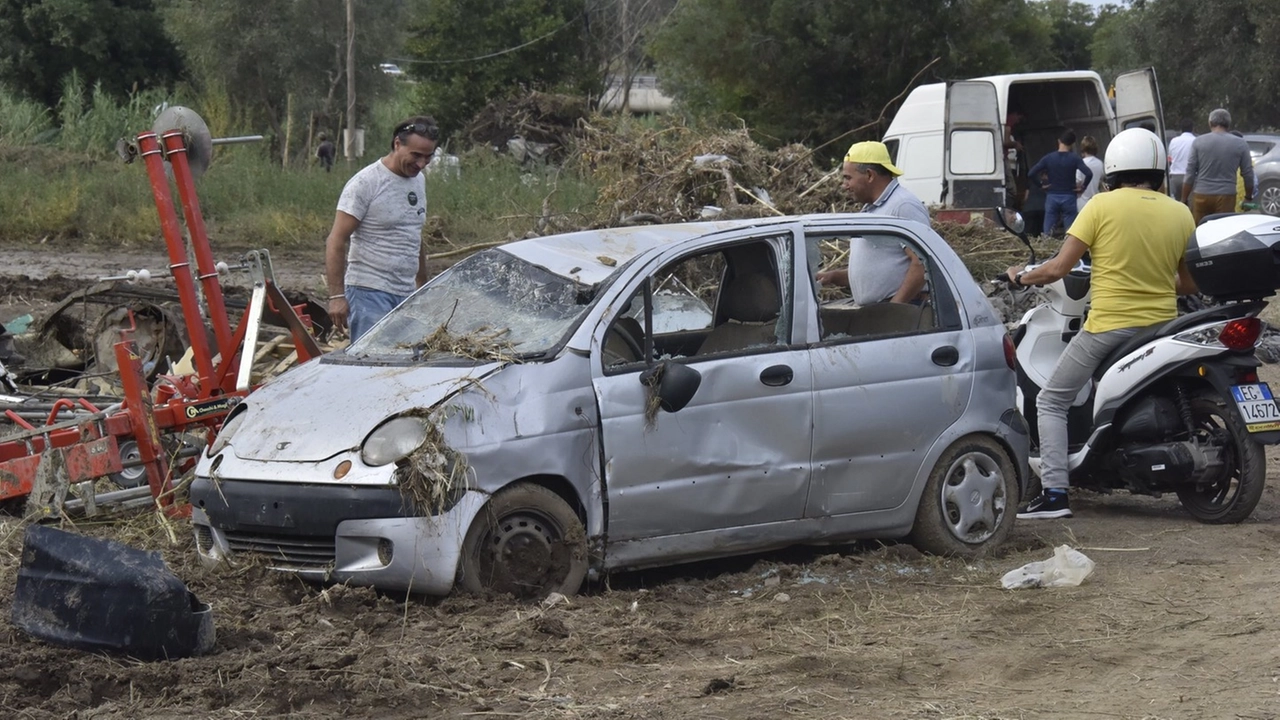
(1179, 620)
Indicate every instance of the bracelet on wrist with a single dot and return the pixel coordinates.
(335, 297)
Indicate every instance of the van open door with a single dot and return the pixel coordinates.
(973, 146)
(1138, 101)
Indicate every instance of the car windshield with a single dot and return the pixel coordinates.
(492, 305)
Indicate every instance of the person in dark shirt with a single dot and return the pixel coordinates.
(1060, 187)
(325, 152)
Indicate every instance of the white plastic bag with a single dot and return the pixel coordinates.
(1067, 568)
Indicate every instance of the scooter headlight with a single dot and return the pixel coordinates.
(393, 440)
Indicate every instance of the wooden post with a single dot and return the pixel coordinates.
(350, 139)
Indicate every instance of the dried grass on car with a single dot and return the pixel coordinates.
(435, 475)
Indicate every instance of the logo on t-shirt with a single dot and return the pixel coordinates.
(413, 198)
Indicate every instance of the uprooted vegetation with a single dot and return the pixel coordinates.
(435, 475)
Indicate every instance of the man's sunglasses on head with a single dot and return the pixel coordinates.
(430, 132)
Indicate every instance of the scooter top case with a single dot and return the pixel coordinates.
(96, 594)
(1236, 257)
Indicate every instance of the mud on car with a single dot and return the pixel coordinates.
(573, 405)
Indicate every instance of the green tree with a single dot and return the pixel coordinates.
(468, 52)
(1071, 28)
(113, 44)
(814, 69)
(278, 60)
(1206, 55)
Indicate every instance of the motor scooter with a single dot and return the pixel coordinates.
(1179, 406)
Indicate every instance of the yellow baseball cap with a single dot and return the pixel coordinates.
(871, 153)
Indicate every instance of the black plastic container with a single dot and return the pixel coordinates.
(1235, 257)
(94, 594)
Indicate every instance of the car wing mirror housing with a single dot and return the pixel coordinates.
(673, 384)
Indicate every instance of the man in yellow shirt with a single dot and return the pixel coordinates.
(1137, 239)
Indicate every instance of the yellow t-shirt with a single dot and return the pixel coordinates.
(1136, 240)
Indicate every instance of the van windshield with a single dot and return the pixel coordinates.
(491, 306)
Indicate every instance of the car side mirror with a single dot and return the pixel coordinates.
(673, 384)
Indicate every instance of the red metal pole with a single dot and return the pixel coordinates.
(179, 265)
(138, 406)
(176, 151)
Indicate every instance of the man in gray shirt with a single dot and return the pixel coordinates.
(1211, 169)
(373, 258)
(884, 272)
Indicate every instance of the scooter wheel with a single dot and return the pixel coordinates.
(1234, 493)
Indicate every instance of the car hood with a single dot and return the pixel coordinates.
(324, 408)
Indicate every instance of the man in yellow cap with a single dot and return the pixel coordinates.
(884, 273)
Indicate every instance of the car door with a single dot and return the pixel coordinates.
(973, 146)
(888, 380)
(738, 453)
(1138, 101)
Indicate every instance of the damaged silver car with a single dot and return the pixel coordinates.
(574, 405)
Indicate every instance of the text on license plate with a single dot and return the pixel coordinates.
(1257, 407)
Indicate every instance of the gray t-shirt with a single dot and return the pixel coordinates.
(1215, 157)
(878, 266)
(386, 245)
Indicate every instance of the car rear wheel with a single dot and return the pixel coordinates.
(1269, 198)
(526, 542)
(970, 500)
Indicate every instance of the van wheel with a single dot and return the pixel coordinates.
(526, 542)
(1232, 494)
(970, 500)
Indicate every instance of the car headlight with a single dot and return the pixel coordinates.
(393, 440)
(229, 428)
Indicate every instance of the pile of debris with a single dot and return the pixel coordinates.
(534, 126)
(671, 172)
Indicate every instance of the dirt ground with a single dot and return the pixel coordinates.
(1179, 620)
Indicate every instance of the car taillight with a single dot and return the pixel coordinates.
(1241, 333)
(1010, 353)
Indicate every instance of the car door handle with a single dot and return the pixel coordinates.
(777, 375)
(946, 356)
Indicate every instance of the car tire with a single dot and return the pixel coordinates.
(526, 542)
(970, 501)
(1269, 198)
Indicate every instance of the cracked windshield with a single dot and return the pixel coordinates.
(491, 306)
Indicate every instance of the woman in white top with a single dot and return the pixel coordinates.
(1088, 153)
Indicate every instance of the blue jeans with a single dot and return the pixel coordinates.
(1083, 355)
(367, 307)
(1059, 205)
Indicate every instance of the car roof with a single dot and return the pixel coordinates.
(591, 256)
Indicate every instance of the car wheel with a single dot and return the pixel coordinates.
(526, 542)
(970, 500)
(1269, 198)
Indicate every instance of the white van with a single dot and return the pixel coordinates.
(948, 138)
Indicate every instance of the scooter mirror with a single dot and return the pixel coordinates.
(1013, 221)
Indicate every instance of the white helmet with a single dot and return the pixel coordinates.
(1135, 149)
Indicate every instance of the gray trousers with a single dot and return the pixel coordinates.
(1083, 355)
(1175, 186)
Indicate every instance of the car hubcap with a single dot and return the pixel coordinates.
(973, 498)
(1269, 200)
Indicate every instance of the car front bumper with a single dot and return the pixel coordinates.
(357, 535)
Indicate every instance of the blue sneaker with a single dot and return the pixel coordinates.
(1046, 506)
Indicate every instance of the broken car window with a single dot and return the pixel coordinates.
(491, 301)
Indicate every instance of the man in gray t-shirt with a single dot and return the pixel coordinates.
(884, 272)
(373, 257)
(1211, 169)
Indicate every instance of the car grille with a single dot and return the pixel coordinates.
(304, 553)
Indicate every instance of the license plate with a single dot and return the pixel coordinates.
(1257, 407)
